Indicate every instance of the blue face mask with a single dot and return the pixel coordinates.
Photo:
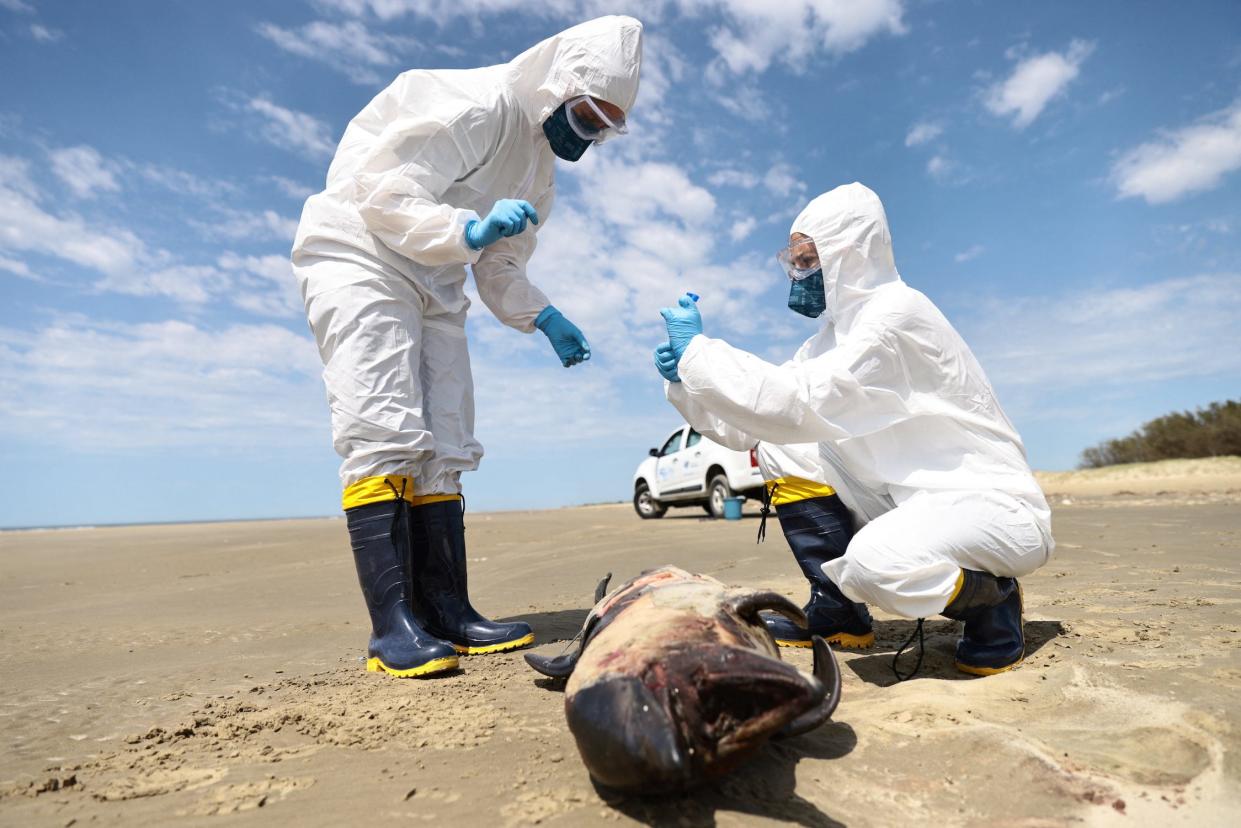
(566, 143)
(807, 296)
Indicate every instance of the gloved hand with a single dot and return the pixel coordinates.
(684, 323)
(567, 340)
(507, 218)
(666, 362)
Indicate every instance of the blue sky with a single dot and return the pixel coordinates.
(1061, 178)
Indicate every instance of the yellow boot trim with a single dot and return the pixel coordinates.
(957, 589)
(987, 671)
(438, 665)
(503, 646)
(793, 489)
(385, 487)
(377, 490)
(848, 640)
(422, 500)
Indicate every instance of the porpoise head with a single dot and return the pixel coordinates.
(667, 714)
(695, 713)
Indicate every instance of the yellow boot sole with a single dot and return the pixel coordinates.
(986, 671)
(502, 647)
(855, 642)
(438, 665)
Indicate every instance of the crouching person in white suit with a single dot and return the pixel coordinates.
(905, 419)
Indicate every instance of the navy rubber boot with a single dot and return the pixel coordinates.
(379, 535)
(440, 587)
(991, 607)
(818, 530)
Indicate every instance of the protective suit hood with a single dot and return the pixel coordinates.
(850, 230)
(601, 58)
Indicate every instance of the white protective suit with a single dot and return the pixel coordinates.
(380, 254)
(908, 427)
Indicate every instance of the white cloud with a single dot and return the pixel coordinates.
(43, 34)
(15, 175)
(188, 284)
(291, 188)
(922, 132)
(631, 195)
(84, 171)
(16, 267)
(17, 6)
(971, 252)
(26, 225)
(752, 35)
(939, 167)
(742, 228)
(100, 386)
(733, 178)
(127, 265)
(348, 47)
(253, 226)
(760, 32)
(1035, 82)
(1103, 337)
(745, 100)
(263, 285)
(185, 183)
(292, 130)
(1188, 160)
(663, 66)
(780, 180)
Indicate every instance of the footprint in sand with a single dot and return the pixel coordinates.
(245, 796)
(1145, 755)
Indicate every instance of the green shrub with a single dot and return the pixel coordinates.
(1213, 431)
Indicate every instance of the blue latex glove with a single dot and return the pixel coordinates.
(507, 218)
(684, 323)
(666, 362)
(567, 340)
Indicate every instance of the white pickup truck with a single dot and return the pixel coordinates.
(690, 471)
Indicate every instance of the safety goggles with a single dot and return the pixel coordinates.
(800, 259)
(591, 123)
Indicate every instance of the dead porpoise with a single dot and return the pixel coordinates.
(677, 680)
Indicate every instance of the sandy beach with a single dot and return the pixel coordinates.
(210, 674)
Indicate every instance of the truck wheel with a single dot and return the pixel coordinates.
(646, 506)
(717, 492)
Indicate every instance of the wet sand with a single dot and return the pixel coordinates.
(173, 674)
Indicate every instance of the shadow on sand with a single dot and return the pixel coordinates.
(765, 786)
(552, 626)
(941, 642)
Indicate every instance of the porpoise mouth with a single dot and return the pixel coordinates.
(752, 699)
(737, 698)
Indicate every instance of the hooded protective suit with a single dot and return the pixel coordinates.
(380, 254)
(908, 427)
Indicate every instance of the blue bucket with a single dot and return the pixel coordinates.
(732, 508)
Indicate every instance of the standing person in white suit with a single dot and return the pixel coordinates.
(443, 169)
(905, 419)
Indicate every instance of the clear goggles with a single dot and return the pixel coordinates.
(590, 122)
(800, 259)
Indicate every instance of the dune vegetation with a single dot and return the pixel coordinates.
(1213, 431)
